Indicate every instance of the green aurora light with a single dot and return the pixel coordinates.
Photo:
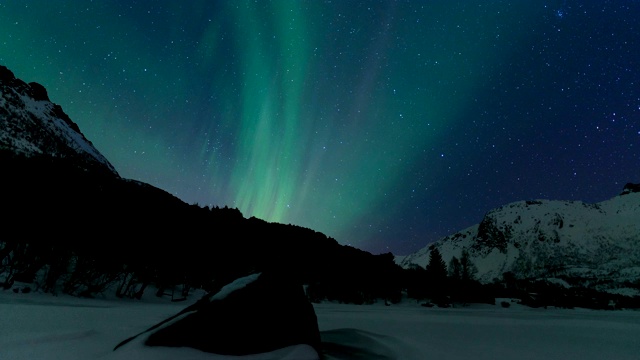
(375, 122)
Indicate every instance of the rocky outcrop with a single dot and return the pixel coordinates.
(33, 89)
(630, 188)
(256, 314)
(31, 125)
(492, 235)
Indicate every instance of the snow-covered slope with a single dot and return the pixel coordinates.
(597, 245)
(31, 125)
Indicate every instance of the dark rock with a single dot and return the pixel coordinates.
(38, 92)
(57, 112)
(491, 236)
(7, 78)
(268, 314)
(6, 74)
(630, 188)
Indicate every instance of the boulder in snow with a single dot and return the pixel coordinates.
(255, 314)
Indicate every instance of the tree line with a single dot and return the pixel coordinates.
(442, 284)
(85, 233)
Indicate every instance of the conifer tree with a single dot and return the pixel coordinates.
(454, 269)
(467, 269)
(436, 268)
(436, 273)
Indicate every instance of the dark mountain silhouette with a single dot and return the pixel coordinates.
(72, 224)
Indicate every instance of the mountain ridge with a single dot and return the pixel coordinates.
(592, 245)
(30, 125)
(71, 224)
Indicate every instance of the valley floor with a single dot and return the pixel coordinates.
(37, 326)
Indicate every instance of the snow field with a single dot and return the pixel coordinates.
(38, 326)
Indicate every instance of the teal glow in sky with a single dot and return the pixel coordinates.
(383, 124)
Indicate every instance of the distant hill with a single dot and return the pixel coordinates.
(71, 224)
(570, 243)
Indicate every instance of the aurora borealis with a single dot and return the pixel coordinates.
(383, 124)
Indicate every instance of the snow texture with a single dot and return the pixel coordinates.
(550, 239)
(39, 326)
(235, 285)
(32, 127)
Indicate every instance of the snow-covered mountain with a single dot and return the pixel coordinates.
(30, 124)
(594, 245)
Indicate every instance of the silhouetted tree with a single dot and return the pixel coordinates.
(454, 269)
(436, 268)
(468, 270)
(436, 277)
(415, 282)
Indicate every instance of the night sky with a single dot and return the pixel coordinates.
(383, 124)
